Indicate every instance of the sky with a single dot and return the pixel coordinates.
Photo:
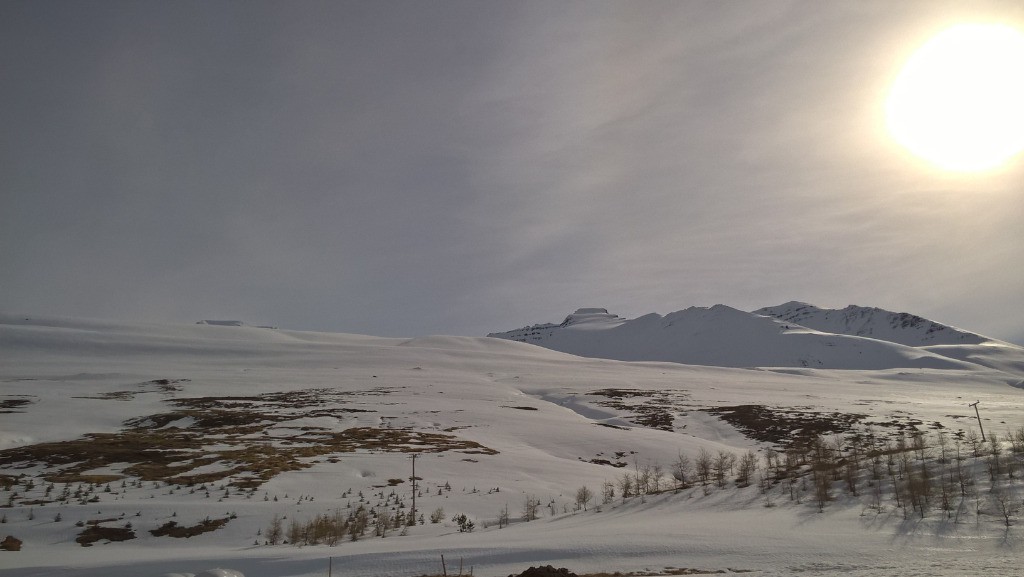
(409, 168)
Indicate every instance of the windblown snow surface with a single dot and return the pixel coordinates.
(493, 422)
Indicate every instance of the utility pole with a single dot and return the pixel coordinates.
(975, 405)
(413, 516)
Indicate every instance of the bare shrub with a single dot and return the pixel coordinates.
(721, 465)
(530, 507)
(274, 531)
(583, 496)
(607, 492)
(681, 471)
(703, 466)
(746, 468)
(626, 486)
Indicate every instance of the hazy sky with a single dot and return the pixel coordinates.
(406, 168)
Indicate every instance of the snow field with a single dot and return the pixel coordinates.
(90, 377)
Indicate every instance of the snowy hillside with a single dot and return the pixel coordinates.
(727, 337)
(902, 328)
(132, 449)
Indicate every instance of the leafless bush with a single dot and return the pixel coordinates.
(722, 464)
(626, 486)
(746, 468)
(530, 507)
(703, 466)
(583, 496)
(682, 469)
(607, 492)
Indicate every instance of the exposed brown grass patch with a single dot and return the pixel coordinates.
(650, 408)
(172, 529)
(166, 386)
(249, 434)
(10, 404)
(94, 532)
(787, 427)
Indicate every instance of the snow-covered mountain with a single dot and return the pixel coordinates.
(790, 335)
(872, 322)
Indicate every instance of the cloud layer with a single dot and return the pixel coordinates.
(405, 168)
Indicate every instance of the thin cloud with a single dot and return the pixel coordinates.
(458, 167)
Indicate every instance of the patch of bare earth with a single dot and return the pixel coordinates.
(797, 427)
(173, 529)
(652, 409)
(10, 405)
(94, 532)
(244, 439)
(786, 427)
(550, 571)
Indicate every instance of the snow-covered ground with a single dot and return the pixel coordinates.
(519, 421)
(792, 335)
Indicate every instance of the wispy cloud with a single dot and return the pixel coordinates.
(405, 168)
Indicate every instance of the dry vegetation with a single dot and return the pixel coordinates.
(550, 571)
(94, 532)
(652, 409)
(173, 529)
(786, 427)
(245, 439)
(9, 405)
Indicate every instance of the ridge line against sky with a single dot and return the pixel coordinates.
(409, 168)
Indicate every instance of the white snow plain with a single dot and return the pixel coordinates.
(535, 407)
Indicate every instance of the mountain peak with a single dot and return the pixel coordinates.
(220, 323)
(590, 311)
(873, 322)
(589, 318)
(793, 334)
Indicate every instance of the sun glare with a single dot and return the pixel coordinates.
(959, 101)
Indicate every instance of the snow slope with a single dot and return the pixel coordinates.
(876, 323)
(727, 337)
(551, 422)
(906, 329)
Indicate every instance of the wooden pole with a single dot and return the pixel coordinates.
(413, 490)
(330, 566)
(444, 568)
(976, 414)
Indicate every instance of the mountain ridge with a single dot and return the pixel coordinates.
(902, 328)
(793, 334)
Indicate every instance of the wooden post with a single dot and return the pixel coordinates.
(413, 517)
(976, 414)
(444, 568)
(330, 566)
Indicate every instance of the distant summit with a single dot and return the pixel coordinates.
(790, 335)
(902, 328)
(591, 317)
(221, 323)
(231, 324)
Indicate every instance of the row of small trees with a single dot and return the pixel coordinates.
(330, 528)
(921, 471)
(917, 471)
(706, 469)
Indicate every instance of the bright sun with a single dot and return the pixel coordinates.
(959, 101)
